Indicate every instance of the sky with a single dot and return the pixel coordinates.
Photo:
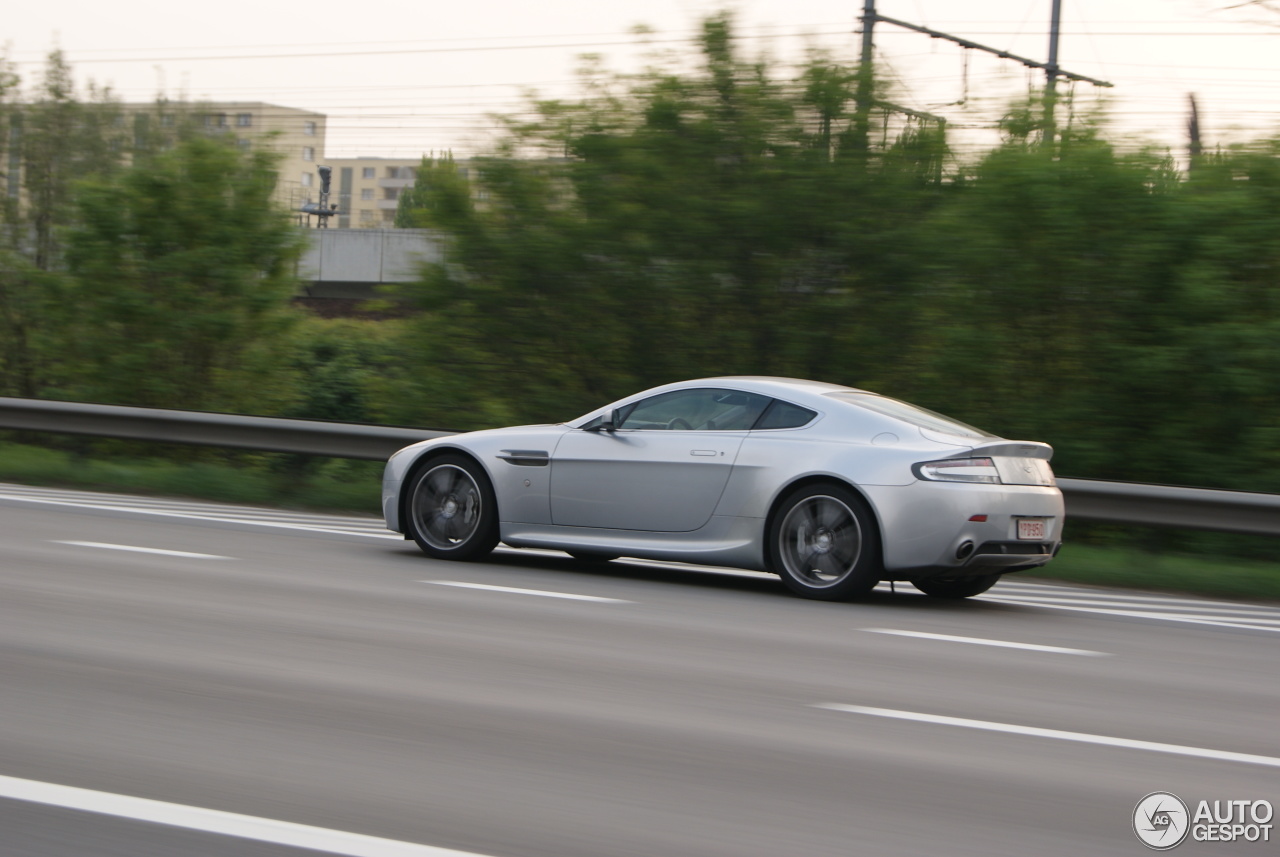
(400, 79)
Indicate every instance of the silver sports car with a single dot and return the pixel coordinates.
(832, 488)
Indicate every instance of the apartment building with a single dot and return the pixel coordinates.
(296, 135)
(367, 190)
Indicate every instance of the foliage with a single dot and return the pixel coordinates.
(1128, 317)
(352, 369)
(181, 271)
(64, 139)
(326, 483)
(45, 147)
(687, 223)
(1212, 575)
(723, 217)
(670, 225)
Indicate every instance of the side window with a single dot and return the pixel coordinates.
(696, 410)
(783, 415)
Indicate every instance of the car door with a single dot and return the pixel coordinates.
(662, 469)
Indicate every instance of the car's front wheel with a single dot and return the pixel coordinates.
(956, 587)
(451, 509)
(824, 543)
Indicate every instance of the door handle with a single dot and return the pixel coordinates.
(710, 452)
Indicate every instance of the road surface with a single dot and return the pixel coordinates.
(197, 679)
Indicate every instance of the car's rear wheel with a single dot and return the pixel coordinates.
(451, 509)
(824, 543)
(956, 587)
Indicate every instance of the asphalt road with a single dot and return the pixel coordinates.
(312, 671)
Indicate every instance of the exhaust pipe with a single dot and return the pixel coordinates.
(965, 550)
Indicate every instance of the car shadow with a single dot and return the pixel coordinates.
(901, 595)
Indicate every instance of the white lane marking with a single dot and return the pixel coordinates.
(1142, 614)
(216, 821)
(978, 641)
(187, 516)
(1255, 614)
(1059, 734)
(516, 591)
(135, 549)
(1050, 590)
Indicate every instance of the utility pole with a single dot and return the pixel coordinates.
(1193, 134)
(865, 94)
(1051, 71)
(1051, 68)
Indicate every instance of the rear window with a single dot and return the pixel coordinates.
(783, 415)
(922, 417)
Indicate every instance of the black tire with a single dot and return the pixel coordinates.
(588, 556)
(956, 587)
(450, 509)
(824, 543)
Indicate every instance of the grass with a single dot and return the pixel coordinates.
(1218, 576)
(353, 486)
(324, 484)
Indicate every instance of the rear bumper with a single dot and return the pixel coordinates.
(936, 528)
(995, 555)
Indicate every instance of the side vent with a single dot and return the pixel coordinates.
(526, 457)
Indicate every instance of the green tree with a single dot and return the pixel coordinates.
(1124, 313)
(64, 139)
(182, 272)
(722, 220)
(47, 144)
(672, 224)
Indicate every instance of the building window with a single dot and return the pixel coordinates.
(307, 178)
(391, 193)
(243, 143)
(368, 173)
(244, 120)
(308, 153)
(388, 216)
(309, 128)
(366, 217)
(366, 193)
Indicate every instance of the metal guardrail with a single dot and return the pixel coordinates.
(1086, 499)
(1172, 506)
(265, 434)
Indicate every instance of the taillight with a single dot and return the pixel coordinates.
(959, 470)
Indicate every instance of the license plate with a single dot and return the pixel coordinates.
(1031, 529)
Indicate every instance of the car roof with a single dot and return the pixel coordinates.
(771, 386)
(795, 390)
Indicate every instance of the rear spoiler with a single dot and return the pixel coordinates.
(1014, 449)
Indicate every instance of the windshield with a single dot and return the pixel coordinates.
(917, 416)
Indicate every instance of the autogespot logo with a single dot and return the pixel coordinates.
(1161, 821)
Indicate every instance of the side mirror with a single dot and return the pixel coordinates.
(609, 422)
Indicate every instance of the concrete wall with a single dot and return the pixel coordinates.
(352, 262)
